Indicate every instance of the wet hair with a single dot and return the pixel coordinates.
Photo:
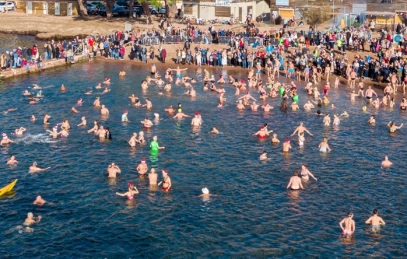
(375, 211)
(295, 173)
(318, 112)
(350, 214)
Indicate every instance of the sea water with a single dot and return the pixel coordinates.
(252, 214)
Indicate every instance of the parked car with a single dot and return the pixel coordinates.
(120, 11)
(162, 10)
(138, 11)
(11, 6)
(153, 10)
(92, 9)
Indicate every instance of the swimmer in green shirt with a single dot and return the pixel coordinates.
(154, 145)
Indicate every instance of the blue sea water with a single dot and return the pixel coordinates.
(252, 214)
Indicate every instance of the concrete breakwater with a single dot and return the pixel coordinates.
(33, 68)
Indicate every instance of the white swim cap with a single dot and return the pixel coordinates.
(205, 190)
(141, 133)
(156, 115)
(29, 215)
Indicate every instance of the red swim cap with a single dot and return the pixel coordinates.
(129, 184)
(165, 171)
(143, 159)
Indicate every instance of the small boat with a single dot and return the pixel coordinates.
(8, 187)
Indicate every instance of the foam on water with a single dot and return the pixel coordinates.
(29, 139)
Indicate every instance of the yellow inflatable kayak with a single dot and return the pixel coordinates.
(8, 187)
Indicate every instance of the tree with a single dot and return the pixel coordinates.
(82, 8)
(316, 16)
(131, 8)
(109, 4)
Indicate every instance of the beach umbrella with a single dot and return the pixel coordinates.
(397, 38)
(342, 24)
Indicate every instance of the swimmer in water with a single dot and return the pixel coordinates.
(215, 130)
(122, 73)
(95, 127)
(74, 110)
(31, 219)
(180, 115)
(141, 137)
(240, 105)
(46, 118)
(83, 123)
(386, 162)
(375, 221)
(133, 140)
(275, 140)
(348, 226)
(301, 129)
(79, 102)
(19, 131)
(96, 103)
(39, 201)
(344, 114)
(124, 116)
(104, 111)
(63, 89)
(305, 173)
(323, 146)
(147, 123)
(112, 170)
(88, 92)
(392, 127)
(54, 133)
(35, 169)
(12, 161)
(372, 120)
(106, 90)
(336, 120)
(130, 193)
(133, 98)
(263, 156)
(101, 133)
(287, 145)
(65, 125)
(196, 121)
(33, 118)
(5, 141)
(167, 87)
(205, 193)
(37, 87)
(262, 133)
(295, 182)
(98, 86)
(254, 106)
(166, 182)
(154, 145)
(107, 81)
(142, 168)
(170, 110)
(152, 177)
(148, 104)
